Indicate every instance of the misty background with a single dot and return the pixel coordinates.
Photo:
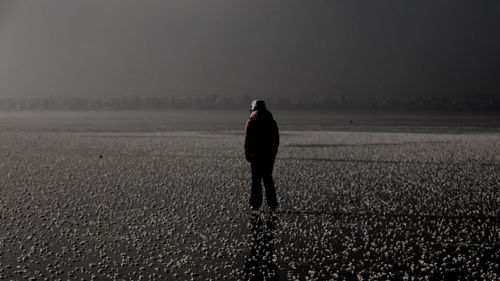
(440, 55)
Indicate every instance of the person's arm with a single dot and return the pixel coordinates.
(248, 140)
(276, 137)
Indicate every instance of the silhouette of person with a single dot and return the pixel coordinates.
(261, 147)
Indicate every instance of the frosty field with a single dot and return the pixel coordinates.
(172, 205)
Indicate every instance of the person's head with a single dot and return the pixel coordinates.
(257, 105)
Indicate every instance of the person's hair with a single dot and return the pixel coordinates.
(257, 105)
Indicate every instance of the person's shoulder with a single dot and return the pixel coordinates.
(268, 115)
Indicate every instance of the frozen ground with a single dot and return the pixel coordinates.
(173, 206)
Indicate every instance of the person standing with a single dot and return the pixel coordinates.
(261, 147)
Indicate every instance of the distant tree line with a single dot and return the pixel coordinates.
(436, 103)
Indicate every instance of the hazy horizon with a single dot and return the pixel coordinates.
(256, 48)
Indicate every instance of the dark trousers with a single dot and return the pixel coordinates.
(262, 171)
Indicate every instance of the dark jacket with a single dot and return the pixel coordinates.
(261, 135)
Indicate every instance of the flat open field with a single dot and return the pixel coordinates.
(82, 202)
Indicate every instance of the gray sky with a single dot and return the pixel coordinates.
(263, 48)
